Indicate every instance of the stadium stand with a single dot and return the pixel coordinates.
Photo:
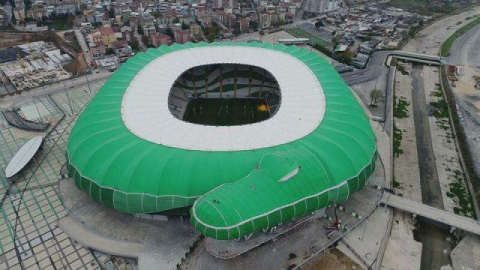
(225, 81)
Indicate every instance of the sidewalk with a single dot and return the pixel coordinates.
(91, 239)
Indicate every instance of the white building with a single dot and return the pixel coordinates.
(321, 6)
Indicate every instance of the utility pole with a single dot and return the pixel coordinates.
(88, 83)
(68, 98)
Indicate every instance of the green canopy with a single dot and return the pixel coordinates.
(132, 175)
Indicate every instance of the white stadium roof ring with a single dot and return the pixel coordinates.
(303, 102)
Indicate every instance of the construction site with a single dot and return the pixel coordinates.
(34, 64)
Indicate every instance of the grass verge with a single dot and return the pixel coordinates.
(447, 45)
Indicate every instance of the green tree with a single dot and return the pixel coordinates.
(184, 26)
(254, 25)
(211, 37)
(376, 96)
(111, 13)
(140, 29)
(108, 51)
(134, 44)
(345, 57)
(28, 4)
(156, 14)
(319, 23)
(169, 32)
(145, 40)
(70, 21)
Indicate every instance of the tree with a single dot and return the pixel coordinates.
(376, 96)
(28, 4)
(83, 6)
(111, 13)
(169, 32)
(261, 33)
(184, 26)
(211, 37)
(345, 57)
(70, 21)
(211, 33)
(254, 25)
(319, 24)
(108, 51)
(140, 29)
(156, 14)
(145, 40)
(134, 44)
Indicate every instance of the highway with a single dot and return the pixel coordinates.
(466, 53)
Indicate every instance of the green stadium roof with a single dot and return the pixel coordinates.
(132, 156)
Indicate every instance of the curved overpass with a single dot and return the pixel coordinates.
(378, 60)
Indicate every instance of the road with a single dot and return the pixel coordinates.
(472, 131)
(466, 53)
(83, 45)
(376, 67)
(430, 39)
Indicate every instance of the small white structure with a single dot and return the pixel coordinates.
(23, 156)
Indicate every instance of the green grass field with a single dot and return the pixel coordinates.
(300, 33)
(226, 112)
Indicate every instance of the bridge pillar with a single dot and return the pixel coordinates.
(414, 216)
(452, 229)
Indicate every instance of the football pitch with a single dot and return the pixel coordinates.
(226, 112)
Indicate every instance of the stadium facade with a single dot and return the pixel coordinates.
(151, 140)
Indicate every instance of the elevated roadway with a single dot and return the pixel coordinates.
(378, 60)
(437, 215)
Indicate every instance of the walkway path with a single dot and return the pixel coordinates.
(157, 244)
(97, 241)
(83, 45)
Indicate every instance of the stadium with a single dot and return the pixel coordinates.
(242, 136)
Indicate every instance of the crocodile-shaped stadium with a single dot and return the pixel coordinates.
(245, 136)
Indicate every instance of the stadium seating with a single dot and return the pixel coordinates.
(224, 81)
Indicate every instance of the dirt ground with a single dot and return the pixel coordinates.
(77, 66)
(10, 39)
(332, 259)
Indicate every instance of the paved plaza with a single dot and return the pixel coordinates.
(31, 205)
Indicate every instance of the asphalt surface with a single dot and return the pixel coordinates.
(466, 52)
(471, 127)
(431, 192)
(433, 238)
(466, 49)
(375, 68)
